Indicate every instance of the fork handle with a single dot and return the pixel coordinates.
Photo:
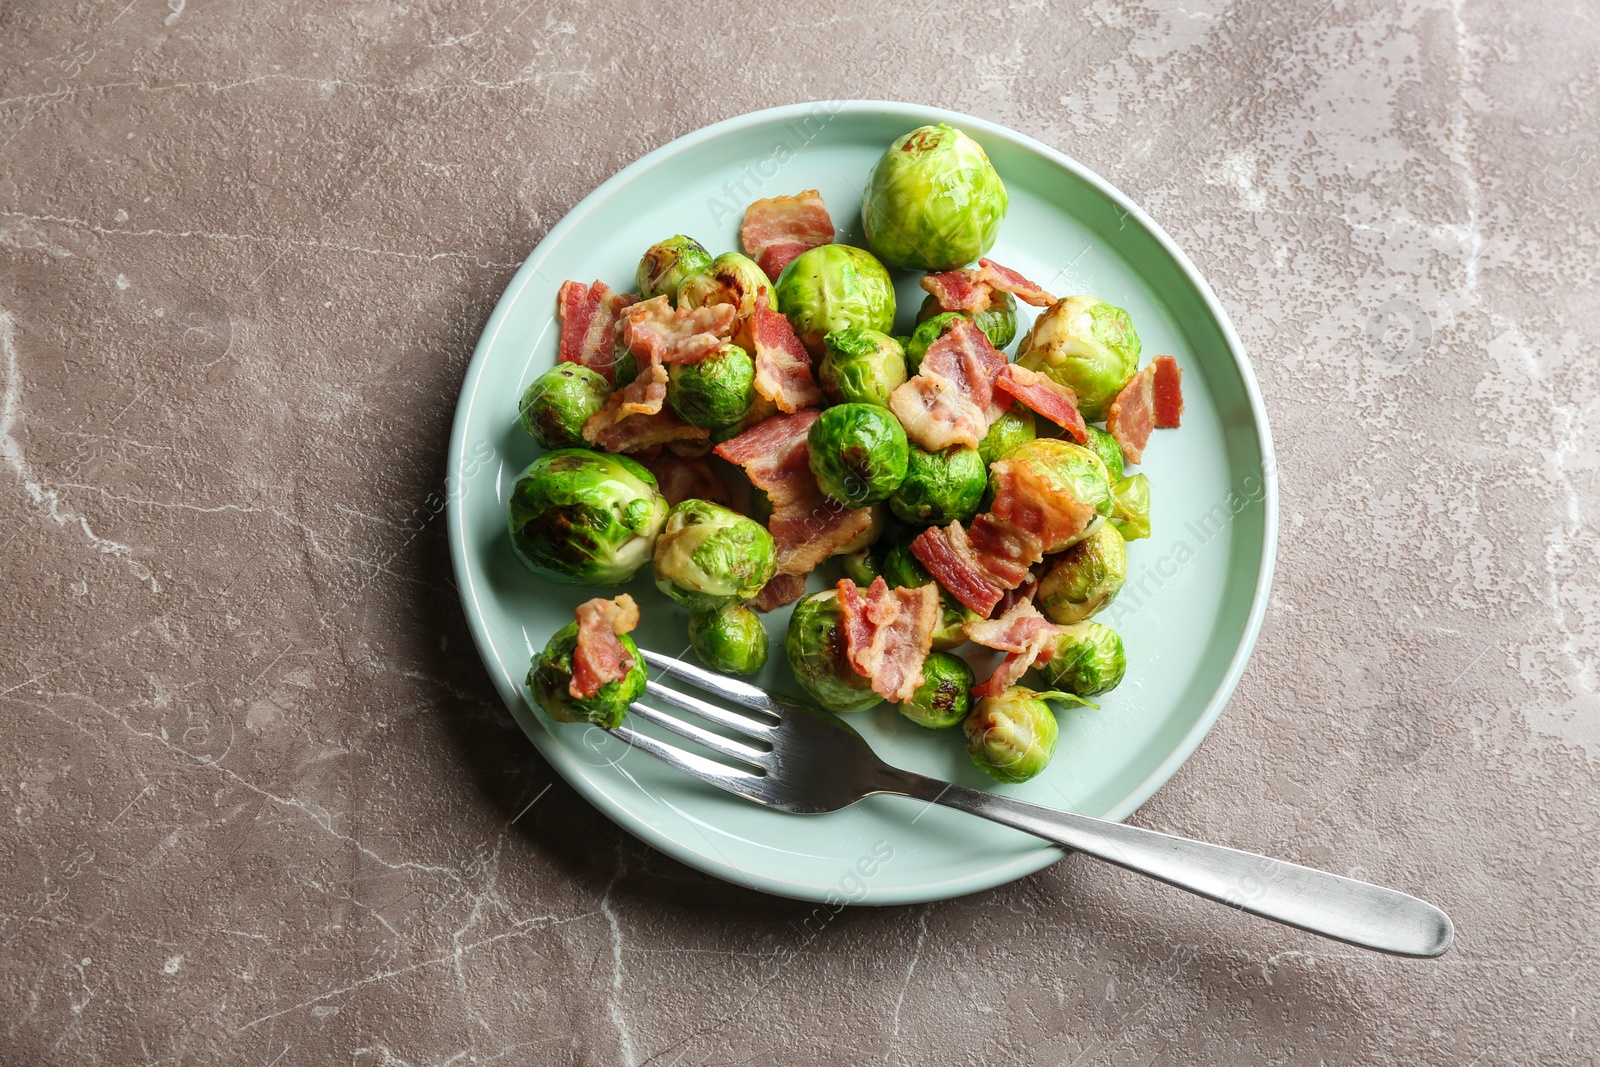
(1344, 909)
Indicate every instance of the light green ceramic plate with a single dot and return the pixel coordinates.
(1196, 590)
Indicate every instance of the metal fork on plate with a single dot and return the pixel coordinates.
(800, 759)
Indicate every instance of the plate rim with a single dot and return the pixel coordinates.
(919, 114)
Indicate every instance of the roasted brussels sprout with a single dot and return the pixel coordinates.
(861, 366)
(715, 391)
(858, 453)
(558, 403)
(1015, 427)
(902, 570)
(585, 518)
(945, 695)
(664, 266)
(1105, 446)
(998, 321)
(941, 487)
(733, 640)
(709, 557)
(1130, 507)
(1065, 468)
(835, 287)
(551, 675)
(815, 649)
(927, 332)
(1089, 660)
(933, 201)
(730, 279)
(862, 566)
(1011, 737)
(1086, 577)
(1087, 345)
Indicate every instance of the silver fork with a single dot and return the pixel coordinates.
(799, 759)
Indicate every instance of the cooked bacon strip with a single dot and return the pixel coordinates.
(1025, 591)
(950, 400)
(778, 229)
(656, 332)
(1046, 396)
(1009, 281)
(589, 316)
(806, 525)
(888, 634)
(1028, 638)
(957, 571)
(1026, 503)
(1168, 389)
(783, 366)
(782, 589)
(599, 657)
(683, 479)
(636, 433)
(973, 291)
(1131, 416)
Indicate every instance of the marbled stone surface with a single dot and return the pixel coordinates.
(261, 805)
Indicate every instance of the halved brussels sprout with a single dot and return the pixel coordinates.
(945, 695)
(730, 279)
(1105, 446)
(902, 570)
(558, 403)
(859, 453)
(1086, 577)
(585, 518)
(1015, 427)
(1011, 737)
(933, 201)
(927, 332)
(709, 557)
(998, 321)
(733, 640)
(551, 673)
(1065, 468)
(941, 487)
(835, 287)
(1089, 660)
(665, 265)
(815, 649)
(861, 366)
(1087, 345)
(715, 391)
(1130, 507)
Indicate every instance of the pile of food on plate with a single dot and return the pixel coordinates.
(968, 497)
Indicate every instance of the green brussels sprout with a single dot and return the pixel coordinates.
(933, 201)
(835, 287)
(665, 265)
(625, 365)
(815, 649)
(862, 566)
(1086, 577)
(998, 321)
(941, 487)
(1065, 468)
(715, 391)
(859, 453)
(1011, 737)
(709, 557)
(1015, 427)
(558, 403)
(1089, 660)
(945, 695)
(1105, 446)
(902, 570)
(927, 332)
(551, 673)
(761, 409)
(733, 640)
(1130, 507)
(730, 279)
(1087, 345)
(861, 366)
(585, 518)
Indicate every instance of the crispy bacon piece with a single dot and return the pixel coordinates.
(656, 332)
(806, 525)
(1168, 389)
(589, 317)
(956, 569)
(1025, 501)
(1027, 638)
(1131, 416)
(778, 229)
(599, 657)
(888, 634)
(950, 401)
(1046, 396)
(783, 366)
(683, 479)
(1025, 591)
(637, 433)
(973, 291)
(782, 589)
